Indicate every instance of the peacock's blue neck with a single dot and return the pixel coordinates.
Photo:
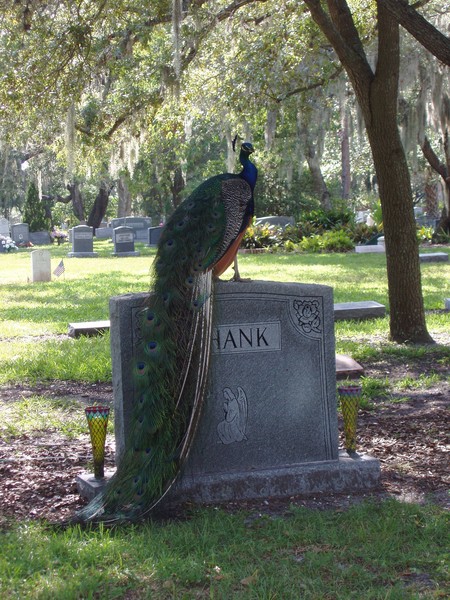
(249, 171)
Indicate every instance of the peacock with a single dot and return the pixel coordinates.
(198, 243)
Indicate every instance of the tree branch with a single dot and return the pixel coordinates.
(421, 29)
(433, 159)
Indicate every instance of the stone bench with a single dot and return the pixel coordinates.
(434, 257)
(87, 328)
(367, 309)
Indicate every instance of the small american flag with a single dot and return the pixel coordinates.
(59, 269)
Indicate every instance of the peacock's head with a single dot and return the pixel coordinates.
(247, 148)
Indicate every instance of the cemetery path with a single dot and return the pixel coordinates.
(407, 431)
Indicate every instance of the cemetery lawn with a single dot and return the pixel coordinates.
(392, 543)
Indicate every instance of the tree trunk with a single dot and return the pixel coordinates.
(100, 205)
(77, 200)
(377, 96)
(74, 197)
(177, 186)
(402, 253)
(345, 154)
(124, 208)
(443, 169)
(431, 196)
(320, 186)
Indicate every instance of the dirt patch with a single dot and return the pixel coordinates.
(408, 433)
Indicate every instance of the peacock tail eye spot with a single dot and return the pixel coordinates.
(210, 227)
(141, 368)
(151, 347)
(147, 451)
(141, 419)
(190, 205)
(216, 214)
(170, 243)
(190, 281)
(150, 315)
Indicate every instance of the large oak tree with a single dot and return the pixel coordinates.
(377, 92)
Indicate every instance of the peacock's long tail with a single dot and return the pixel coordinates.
(170, 369)
(171, 360)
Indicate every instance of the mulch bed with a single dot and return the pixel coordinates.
(410, 438)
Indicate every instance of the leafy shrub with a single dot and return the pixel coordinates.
(260, 236)
(362, 233)
(336, 241)
(330, 241)
(311, 244)
(327, 219)
(424, 234)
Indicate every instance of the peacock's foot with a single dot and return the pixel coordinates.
(239, 279)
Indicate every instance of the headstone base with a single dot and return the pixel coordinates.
(348, 474)
(135, 253)
(363, 249)
(82, 254)
(434, 257)
(89, 487)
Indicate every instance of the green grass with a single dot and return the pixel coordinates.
(373, 551)
(390, 550)
(33, 313)
(35, 414)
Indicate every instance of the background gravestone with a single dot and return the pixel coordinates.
(82, 242)
(40, 265)
(154, 233)
(139, 225)
(269, 424)
(123, 239)
(20, 233)
(4, 227)
(40, 238)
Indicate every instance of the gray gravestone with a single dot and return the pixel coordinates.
(154, 233)
(138, 224)
(82, 242)
(40, 266)
(40, 238)
(269, 424)
(4, 227)
(276, 221)
(104, 233)
(20, 233)
(123, 239)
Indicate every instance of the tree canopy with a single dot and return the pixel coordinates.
(149, 96)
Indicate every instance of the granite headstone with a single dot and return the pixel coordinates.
(82, 242)
(40, 266)
(269, 424)
(123, 239)
(20, 233)
(154, 233)
(138, 224)
(4, 227)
